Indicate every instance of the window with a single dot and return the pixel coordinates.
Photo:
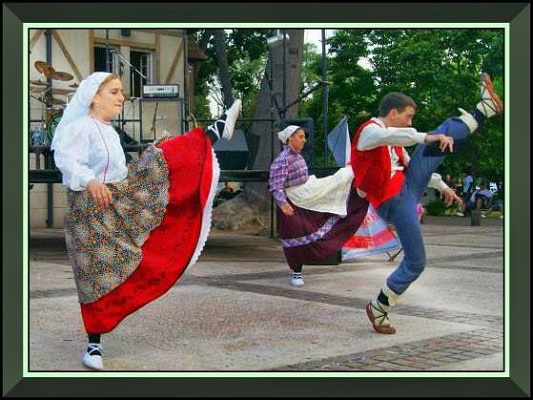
(139, 66)
(102, 64)
(142, 61)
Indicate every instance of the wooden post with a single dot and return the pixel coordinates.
(475, 217)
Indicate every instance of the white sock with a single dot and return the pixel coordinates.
(392, 296)
(378, 304)
(469, 120)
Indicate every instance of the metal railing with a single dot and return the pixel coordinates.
(54, 175)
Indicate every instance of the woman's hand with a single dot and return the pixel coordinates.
(100, 193)
(287, 209)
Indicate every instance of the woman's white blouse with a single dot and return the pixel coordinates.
(90, 149)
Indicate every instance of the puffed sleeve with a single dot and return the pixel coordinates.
(72, 157)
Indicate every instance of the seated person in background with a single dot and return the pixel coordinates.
(458, 185)
(497, 204)
(226, 193)
(480, 199)
(227, 188)
(448, 180)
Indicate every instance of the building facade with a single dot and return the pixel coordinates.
(154, 68)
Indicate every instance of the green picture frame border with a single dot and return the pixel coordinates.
(15, 384)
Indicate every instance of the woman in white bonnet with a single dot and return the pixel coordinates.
(315, 216)
(131, 230)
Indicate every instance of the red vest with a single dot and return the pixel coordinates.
(372, 170)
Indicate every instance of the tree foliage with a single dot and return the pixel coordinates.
(439, 68)
(246, 51)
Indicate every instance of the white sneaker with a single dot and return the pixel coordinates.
(231, 117)
(501, 216)
(297, 282)
(483, 216)
(91, 360)
(459, 214)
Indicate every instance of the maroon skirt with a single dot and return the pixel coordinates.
(311, 237)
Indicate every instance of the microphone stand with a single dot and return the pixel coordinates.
(123, 59)
(154, 119)
(315, 86)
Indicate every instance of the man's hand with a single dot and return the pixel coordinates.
(450, 197)
(445, 142)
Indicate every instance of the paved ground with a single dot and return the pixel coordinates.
(235, 310)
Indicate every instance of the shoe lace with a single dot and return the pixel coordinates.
(382, 316)
(489, 103)
(93, 348)
(220, 134)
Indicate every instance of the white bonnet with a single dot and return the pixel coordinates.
(80, 104)
(286, 133)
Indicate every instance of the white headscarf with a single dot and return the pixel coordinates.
(286, 133)
(80, 104)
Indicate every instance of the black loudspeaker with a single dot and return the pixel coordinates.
(232, 154)
(125, 140)
(308, 125)
(125, 32)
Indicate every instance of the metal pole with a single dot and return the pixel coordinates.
(325, 89)
(108, 61)
(271, 140)
(185, 118)
(284, 73)
(48, 157)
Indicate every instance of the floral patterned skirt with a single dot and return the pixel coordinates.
(134, 251)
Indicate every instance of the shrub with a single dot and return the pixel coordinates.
(436, 208)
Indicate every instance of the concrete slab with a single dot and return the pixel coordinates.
(235, 310)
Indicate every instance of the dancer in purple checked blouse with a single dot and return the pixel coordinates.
(315, 216)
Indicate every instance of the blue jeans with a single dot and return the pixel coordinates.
(400, 211)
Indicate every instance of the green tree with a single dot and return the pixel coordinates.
(439, 68)
(265, 78)
(234, 66)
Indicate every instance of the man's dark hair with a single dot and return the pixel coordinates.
(395, 100)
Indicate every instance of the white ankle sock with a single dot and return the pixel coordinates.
(469, 120)
(378, 304)
(391, 295)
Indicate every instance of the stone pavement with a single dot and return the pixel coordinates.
(234, 310)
